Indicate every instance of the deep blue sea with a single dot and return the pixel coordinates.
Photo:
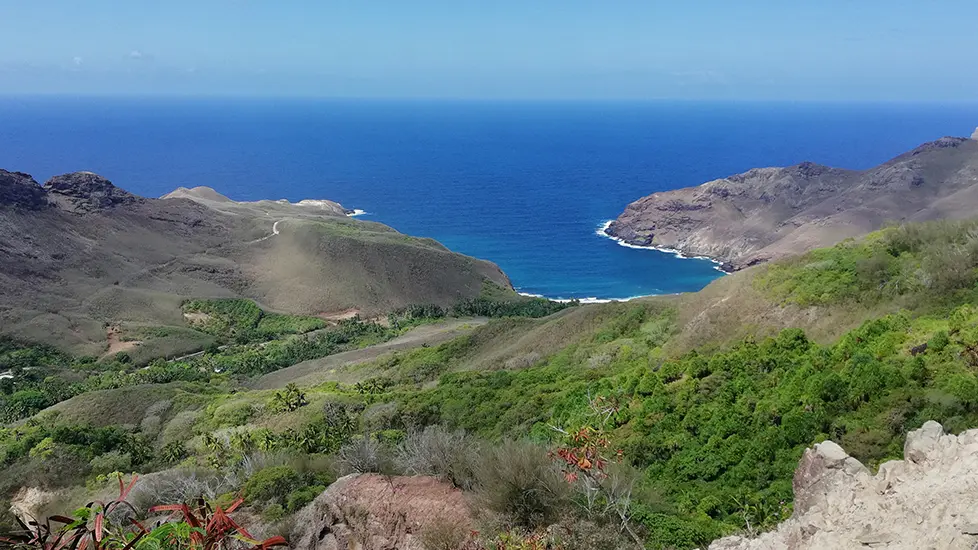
(524, 184)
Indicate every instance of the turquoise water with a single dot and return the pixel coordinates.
(525, 185)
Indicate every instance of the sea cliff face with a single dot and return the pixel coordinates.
(767, 213)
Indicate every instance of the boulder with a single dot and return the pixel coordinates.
(375, 512)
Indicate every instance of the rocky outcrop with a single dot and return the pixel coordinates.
(929, 500)
(19, 190)
(975, 135)
(29, 503)
(374, 512)
(767, 213)
(83, 192)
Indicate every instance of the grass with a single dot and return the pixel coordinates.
(164, 341)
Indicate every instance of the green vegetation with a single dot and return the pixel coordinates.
(242, 321)
(924, 265)
(493, 301)
(587, 412)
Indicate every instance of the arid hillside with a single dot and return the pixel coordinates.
(79, 255)
(769, 213)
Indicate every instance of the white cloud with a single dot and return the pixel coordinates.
(136, 54)
(77, 61)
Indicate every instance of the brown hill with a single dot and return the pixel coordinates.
(768, 213)
(79, 254)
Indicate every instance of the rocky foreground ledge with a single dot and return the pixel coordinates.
(929, 500)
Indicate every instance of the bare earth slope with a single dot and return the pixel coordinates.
(79, 254)
(768, 213)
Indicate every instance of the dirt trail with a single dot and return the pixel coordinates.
(317, 371)
(274, 232)
(116, 345)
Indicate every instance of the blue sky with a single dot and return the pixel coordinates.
(528, 49)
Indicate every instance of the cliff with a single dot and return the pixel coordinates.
(927, 500)
(768, 213)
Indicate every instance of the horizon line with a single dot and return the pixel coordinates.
(473, 99)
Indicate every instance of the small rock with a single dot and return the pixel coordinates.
(875, 538)
(970, 528)
(831, 452)
(921, 443)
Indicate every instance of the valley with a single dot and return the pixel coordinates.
(290, 357)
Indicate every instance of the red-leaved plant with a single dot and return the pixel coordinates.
(197, 528)
(213, 529)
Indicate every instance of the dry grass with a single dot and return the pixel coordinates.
(125, 406)
(136, 264)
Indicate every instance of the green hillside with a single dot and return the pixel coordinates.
(701, 416)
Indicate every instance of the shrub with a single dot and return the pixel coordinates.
(112, 461)
(453, 456)
(22, 404)
(273, 512)
(519, 481)
(273, 484)
(939, 341)
(443, 535)
(288, 400)
(175, 451)
(299, 499)
(180, 486)
(366, 455)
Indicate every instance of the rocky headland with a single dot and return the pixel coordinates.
(769, 213)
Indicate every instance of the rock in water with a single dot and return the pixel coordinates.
(928, 500)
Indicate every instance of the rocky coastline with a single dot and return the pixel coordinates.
(769, 213)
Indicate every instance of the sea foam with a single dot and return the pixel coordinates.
(589, 300)
(602, 231)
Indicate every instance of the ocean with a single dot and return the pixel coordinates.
(524, 184)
